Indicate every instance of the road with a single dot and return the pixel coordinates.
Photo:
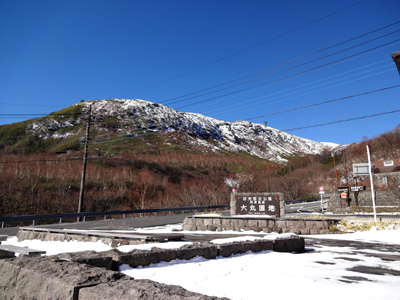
(124, 224)
(306, 207)
(309, 209)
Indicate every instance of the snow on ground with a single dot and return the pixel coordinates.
(324, 273)
(206, 215)
(236, 239)
(178, 227)
(57, 247)
(273, 275)
(148, 247)
(313, 275)
(373, 236)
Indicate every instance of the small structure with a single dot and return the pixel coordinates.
(387, 172)
(387, 166)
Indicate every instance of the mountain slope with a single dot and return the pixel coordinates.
(129, 118)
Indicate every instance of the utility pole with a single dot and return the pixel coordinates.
(334, 164)
(337, 180)
(80, 205)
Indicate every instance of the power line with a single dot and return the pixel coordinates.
(287, 69)
(249, 48)
(302, 72)
(98, 137)
(49, 160)
(286, 130)
(270, 68)
(129, 137)
(38, 115)
(309, 88)
(120, 133)
(329, 123)
(346, 120)
(325, 102)
(26, 104)
(39, 160)
(128, 133)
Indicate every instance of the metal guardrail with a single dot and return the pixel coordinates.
(105, 213)
(305, 200)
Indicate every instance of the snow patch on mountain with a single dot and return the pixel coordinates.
(206, 133)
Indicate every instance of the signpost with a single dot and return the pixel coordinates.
(322, 191)
(343, 189)
(357, 188)
(360, 169)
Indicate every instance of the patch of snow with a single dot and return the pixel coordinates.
(280, 236)
(373, 236)
(57, 247)
(257, 139)
(207, 215)
(148, 247)
(268, 274)
(235, 239)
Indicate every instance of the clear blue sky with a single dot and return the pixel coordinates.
(55, 53)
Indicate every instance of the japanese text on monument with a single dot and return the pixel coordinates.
(258, 205)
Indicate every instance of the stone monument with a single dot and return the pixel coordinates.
(258, 204)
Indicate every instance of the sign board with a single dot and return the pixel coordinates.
(258, 205)
(357, 188)
(343, 195)
(321, 189)
(361, 169)
(343, 189)
(233, 191)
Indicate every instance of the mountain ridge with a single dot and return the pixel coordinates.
(127, 118)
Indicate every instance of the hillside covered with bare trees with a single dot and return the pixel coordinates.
(154, 171)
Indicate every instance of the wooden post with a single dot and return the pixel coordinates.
(80, 205)
(355, 192)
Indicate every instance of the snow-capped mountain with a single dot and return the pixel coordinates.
(191, 131)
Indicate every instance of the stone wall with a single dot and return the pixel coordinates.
(267, 225)
(206, 250)
(382, 198)
(64, 237)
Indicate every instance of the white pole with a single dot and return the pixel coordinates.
(372, 182)
(322, 206)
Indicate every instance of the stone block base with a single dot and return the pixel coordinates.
(297, 226)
